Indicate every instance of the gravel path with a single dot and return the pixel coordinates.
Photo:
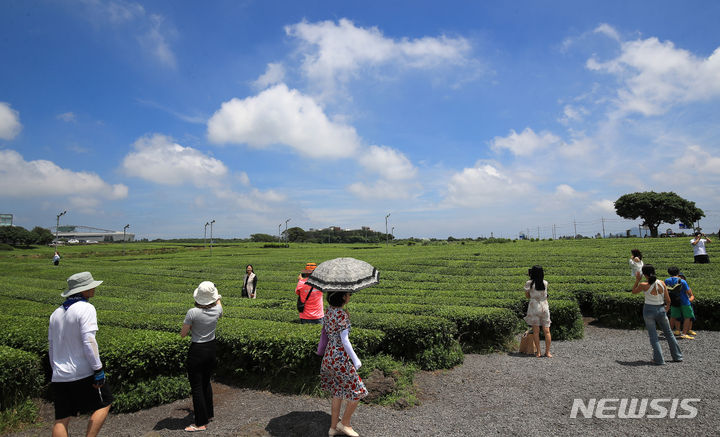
(498, 394)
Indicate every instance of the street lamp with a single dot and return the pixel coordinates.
(392, 232)
(124, 229)
(387, 237)
(286, 235)
(205, 235)
(211, 236)
(57, 225)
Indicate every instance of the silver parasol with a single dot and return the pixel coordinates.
(343, 274)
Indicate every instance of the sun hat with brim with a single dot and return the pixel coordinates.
(80, 282)
(309, 267)
(206, 293)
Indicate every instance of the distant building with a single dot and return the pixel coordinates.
(6, 219)
(87, 233)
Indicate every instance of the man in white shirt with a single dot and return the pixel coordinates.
(698, 243)
(78, 379)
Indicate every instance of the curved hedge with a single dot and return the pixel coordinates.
(21, 376)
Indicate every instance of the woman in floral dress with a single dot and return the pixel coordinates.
(538, 313)
(338, 371)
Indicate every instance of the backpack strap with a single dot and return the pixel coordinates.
(308, 295)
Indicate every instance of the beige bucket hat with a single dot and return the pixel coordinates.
(80, 282)
(206, 293)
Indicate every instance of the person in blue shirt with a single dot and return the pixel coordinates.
(680, 307)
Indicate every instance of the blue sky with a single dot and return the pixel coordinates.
(458, 118)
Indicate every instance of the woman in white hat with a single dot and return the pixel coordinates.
(201, 320)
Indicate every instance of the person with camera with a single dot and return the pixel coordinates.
(310, 300)
(698, 243)
(200, 322)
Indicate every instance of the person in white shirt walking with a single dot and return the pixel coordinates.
(78, 379)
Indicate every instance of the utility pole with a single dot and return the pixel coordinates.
(57, 225)
(280, 232)
(553, 231)
(575, 228)
(286, 235)
(211, 236)
(387, 237)
(392, 232)
(124, 229)
(538, 232)
(602, 219)
(205, 235)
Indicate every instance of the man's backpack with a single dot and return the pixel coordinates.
(675, 291)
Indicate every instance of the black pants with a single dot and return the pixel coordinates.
(702, 259)
(200, 365)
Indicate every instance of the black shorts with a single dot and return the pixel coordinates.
(79, 396)
(702, 259)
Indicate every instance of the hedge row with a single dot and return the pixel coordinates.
(405, 335)
(145, 394)
(21, 376)
(624, 310)
(134, 357)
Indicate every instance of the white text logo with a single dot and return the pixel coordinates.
(606, 408)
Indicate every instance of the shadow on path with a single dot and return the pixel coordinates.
(175, 423)
(636, 363)
(300, 424)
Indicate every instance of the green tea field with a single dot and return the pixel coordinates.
(433, 303)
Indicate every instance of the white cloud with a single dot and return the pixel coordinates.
(388, 162)
(252, 199)
(383, 190)
(697, 160)
(484, 185)
(20, 178)
(158, 159)
(154, 39)
(572, 113)
(608, 31)
(243, 178)
(579, 148)
(279, 115)
(337, 51)
(274, 74)
(603, 206)
(565, 191)
(10, 125)
(691, 165)
(150, 30)
(66, 117)
(524, 143)
(656, 76)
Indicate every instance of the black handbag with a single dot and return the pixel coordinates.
(301, 304)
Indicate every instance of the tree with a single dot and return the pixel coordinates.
(42, 236)
(16, 236)
(263, 238)
(655, 208)
(295, 234)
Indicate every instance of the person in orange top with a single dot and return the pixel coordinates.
(309, 299)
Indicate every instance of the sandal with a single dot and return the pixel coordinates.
(193, 428)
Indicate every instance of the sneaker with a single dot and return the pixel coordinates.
(677, 333)
(686, 337)
(691, 332)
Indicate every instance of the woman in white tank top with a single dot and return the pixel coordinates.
(657, 304)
